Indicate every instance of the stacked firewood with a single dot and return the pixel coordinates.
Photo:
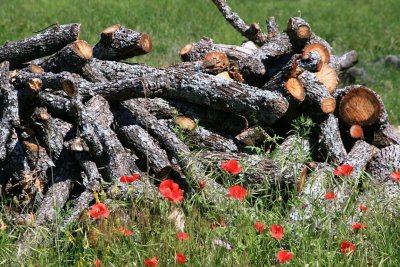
(74, 119)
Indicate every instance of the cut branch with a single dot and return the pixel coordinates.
(40, 45)
(118, 43)
(252, 32)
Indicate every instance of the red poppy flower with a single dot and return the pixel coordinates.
(329, 195)
(344, 170)
(395, 176)
(152, 262)
(128, 232)
(238, 192)
(171, 191)
(180, 257)
(99, 210)
(97, 262)
(183, 236)
(276, 231)
(363, 208)
(347, 247)
(129, 179)
(260, 227)
(231, 166)
(357, 226)
(284, 255)
(201, 184)
(215, 226)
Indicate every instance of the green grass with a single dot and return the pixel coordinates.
(368, 26)
(315, 241)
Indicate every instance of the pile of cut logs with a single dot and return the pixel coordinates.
(74, 119)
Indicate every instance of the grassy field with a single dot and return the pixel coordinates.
(368, 26)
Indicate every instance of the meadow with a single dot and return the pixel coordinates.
(368, 26)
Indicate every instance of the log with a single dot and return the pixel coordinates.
(118, 43)
(214, 62)
(71, 58)
(317, 96)
(51, 131)
(100, 71)
(201, 138)
(331, 145)
(328, 76)
(54, 200)
(386, 161)
(285, 80)
(209, 118)
(197, 88)
(253, 68)
(16, 158)
(319, 48)
(345, 61)
(385, 136)
(57, 104)
(134, 137)
(253, 136)
(358, 157)
(158, 107)
(197, 51)
(272, 27)
(94, 120)
(252, 32)
(299, 32)
(39, 45)
(362, 106)
(174, 147)
(9, 109)
(35, 82)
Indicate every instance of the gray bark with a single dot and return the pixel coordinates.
(42, 44)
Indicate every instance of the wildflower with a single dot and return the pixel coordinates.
(180, 257)
(221, 243)
(99, 210)
(238, 192)
(183, 236)
(128, 232)
(395, 176)
(231, 166)
(152, 262)
(358, 226)
(284, 255)
(97, 262)
(363, 208)
(260, 227)
(171, 191)
(329, 195)
(201, 184)
(215, 226)
(343, 170)
(129, 179)
(347, 247)
(276, 231)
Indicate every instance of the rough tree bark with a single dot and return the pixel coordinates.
(40, 45)
(252, 32)
(118, 43)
